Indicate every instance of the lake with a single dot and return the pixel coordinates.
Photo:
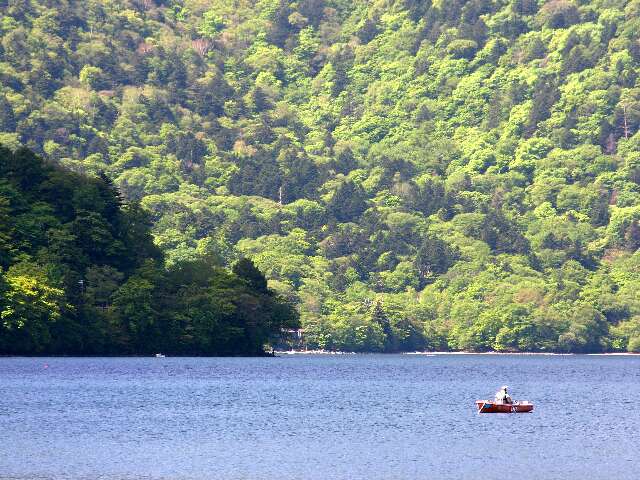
(302, 417)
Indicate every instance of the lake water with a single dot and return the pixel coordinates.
(318, 417)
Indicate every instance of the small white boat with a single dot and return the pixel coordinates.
(159, 355)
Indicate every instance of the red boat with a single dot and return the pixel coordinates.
(487, 406)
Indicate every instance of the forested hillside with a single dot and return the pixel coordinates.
(439, 174)
(79, 274)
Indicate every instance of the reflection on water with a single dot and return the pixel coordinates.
(317, 417)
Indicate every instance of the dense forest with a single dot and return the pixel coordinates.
(80, 274)
(411, 174)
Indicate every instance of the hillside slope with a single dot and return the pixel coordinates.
(413, 174)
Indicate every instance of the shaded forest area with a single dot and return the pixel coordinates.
(410, 174)
(79, 274)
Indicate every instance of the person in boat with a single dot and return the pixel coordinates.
(503, 397)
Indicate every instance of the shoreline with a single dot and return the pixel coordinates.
(284, 353)
(433, 354)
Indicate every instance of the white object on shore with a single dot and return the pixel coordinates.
(159, 355)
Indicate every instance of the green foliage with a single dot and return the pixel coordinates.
(30, 307)
(246, 270)
(348, 202)
(83, 276)
(462, 48)
(212, 24)
(467, 170)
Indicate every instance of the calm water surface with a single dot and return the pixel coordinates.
(318, 417)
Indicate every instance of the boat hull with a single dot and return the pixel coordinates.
(486, 406)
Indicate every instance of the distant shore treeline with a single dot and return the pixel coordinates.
(79, 274)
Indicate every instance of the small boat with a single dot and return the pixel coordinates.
(488, 406)
(159, 355)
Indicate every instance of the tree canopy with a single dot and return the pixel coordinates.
(80, 274)
(411, 174)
